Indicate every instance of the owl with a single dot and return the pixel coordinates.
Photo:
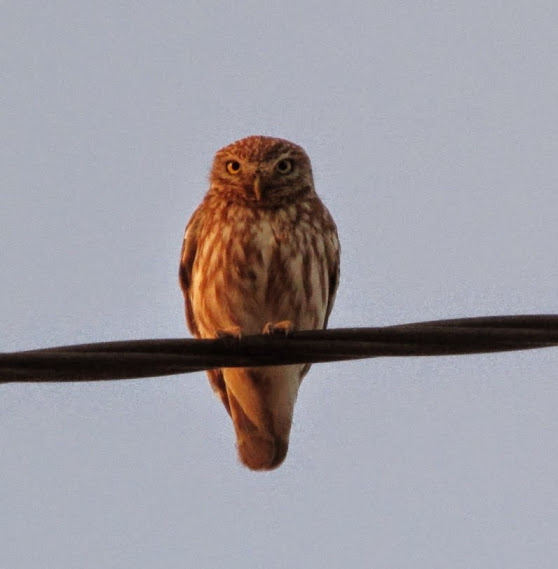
(260, 255)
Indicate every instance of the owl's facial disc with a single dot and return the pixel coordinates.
(257, 187)
(270, 177)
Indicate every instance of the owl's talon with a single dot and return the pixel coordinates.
(230, 333)
(283, 328)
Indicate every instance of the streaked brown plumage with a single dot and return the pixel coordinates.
(260, 254)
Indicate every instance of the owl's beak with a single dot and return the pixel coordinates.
(258, 187)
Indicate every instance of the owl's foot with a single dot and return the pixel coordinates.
(283, 328)
(230, 333)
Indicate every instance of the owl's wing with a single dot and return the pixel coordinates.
(187, 258)
(333, 263)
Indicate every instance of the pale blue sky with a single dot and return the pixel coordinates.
(433, 132)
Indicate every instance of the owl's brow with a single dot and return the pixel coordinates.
(282, 152)
(280, 155)
(261, 149)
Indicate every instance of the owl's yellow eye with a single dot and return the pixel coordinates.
(284, 166)
(233, 167)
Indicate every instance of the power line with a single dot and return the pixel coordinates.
(149, 358)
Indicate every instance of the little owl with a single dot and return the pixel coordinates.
(260, 255)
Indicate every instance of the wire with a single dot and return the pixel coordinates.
(150, 358)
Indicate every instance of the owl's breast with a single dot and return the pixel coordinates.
(259, 267)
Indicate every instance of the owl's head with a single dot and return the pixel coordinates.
(263, 171)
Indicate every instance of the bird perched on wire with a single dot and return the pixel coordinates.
(260, 255)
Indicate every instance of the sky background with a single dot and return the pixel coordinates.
(433, 133)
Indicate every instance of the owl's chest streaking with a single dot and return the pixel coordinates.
(255, 266)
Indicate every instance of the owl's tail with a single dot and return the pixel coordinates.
(261, 404)
(260, 451)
